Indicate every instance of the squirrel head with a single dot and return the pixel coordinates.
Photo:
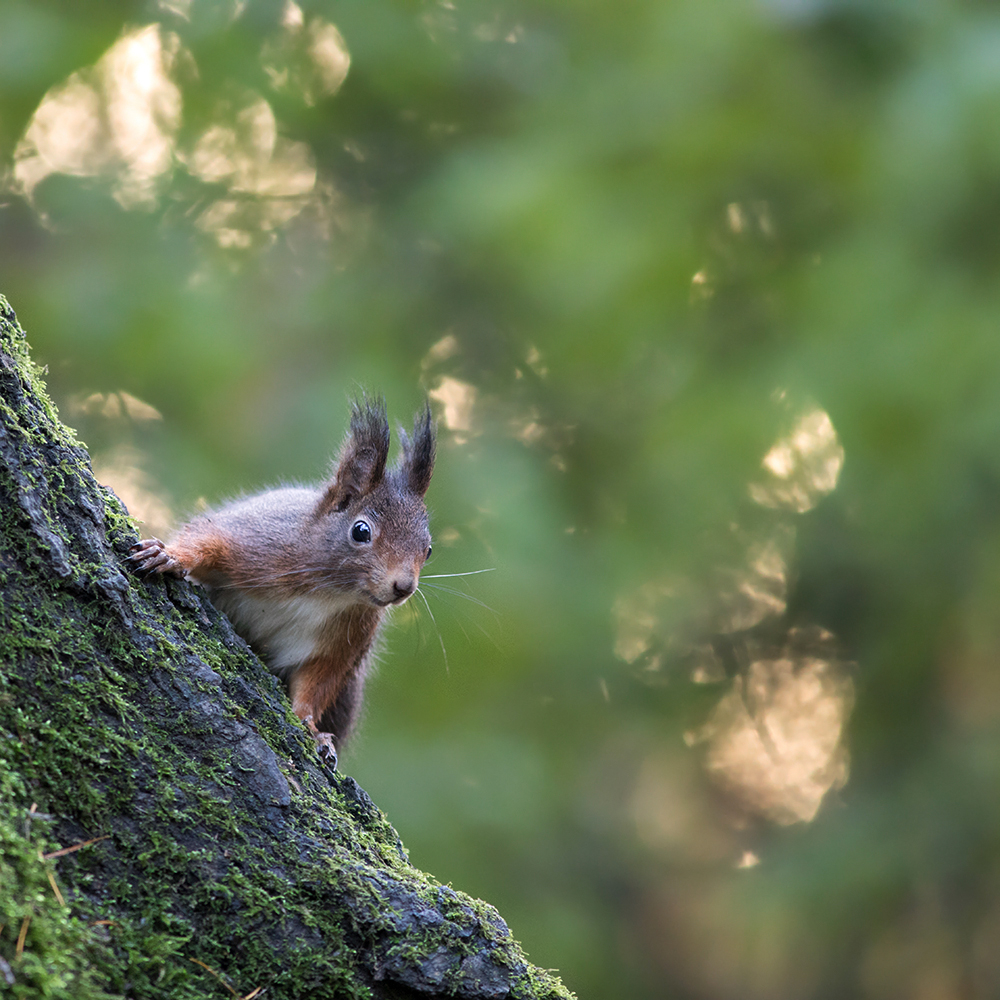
(376, 516)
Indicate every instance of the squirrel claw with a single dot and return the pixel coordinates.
(151, 556)
(324, 742)
(327, 751)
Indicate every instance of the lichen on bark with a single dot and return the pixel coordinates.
(135, 721)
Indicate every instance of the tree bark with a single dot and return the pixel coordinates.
(211, 853)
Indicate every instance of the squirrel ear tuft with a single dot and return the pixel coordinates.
(361, 464)
(418, 452)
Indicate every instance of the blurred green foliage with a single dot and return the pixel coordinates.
(706, 298)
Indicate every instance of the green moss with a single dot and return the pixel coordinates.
(45, 950)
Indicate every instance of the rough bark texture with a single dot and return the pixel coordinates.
(130, 711)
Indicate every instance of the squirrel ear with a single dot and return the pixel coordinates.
(361, 464)
(418, 452)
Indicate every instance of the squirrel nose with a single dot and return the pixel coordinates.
(403, 587)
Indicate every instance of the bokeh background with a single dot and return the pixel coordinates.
(706, 300)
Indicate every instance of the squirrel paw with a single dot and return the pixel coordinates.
(151, 556)
(327, 751)
(324, 743)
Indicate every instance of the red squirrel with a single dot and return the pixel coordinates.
(306, 574)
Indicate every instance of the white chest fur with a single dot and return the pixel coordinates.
(284, 631)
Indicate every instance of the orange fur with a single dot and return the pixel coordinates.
(205, 555)
(316, 684)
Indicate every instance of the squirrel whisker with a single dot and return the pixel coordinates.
(457, 610)
(471, 572)
(462, 594)
(444, 652)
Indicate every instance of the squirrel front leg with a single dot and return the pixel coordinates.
(313, 687)
(197, 554)
(326, 688)
(341, 716)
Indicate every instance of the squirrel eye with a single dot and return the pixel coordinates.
(430, 549)
(361, 532)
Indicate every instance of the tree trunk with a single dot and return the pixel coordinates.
(206, 850)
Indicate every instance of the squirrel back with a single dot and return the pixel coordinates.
(307, 575)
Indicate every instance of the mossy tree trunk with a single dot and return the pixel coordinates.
(217, 846)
